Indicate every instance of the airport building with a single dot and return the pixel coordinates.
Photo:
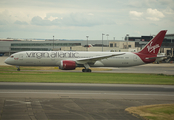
(167, 46)
(131, 44)
(16, 45)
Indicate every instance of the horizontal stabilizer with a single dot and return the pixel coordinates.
(155, 57)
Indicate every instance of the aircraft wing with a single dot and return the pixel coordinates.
(96, 58)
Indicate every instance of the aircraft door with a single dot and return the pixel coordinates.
(135, 58)
(21, 57)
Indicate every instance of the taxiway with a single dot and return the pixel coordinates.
(43, 101)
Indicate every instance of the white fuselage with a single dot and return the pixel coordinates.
(53, 58)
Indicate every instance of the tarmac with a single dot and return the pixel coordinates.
(67, 101)
(2, 59)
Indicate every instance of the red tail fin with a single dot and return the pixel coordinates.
(154, 45)
(149, 53)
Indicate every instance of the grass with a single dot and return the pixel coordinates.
(154, 112)
(9, 74)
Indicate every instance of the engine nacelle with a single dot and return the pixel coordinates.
(67, 65)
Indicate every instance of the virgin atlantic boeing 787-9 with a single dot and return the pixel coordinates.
(69, 60)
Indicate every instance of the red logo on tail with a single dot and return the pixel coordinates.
(152, 48)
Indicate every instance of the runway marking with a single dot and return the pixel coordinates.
(171, 94)
(22, 102)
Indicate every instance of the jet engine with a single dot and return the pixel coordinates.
(67, 65)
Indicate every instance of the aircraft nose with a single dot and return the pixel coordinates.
(7, 61)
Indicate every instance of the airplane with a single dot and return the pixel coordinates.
(70, 60)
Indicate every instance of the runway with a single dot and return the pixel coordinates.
(43, 101)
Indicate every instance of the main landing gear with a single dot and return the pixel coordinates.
(86, 70)
(18, 68)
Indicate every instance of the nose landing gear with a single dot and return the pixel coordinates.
(18, 68)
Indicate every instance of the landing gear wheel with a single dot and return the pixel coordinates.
(18, 68)
(86, 70)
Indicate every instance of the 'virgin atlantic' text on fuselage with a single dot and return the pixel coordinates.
(40, 55)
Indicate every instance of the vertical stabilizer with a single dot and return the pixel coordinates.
(154, 45)
(149, 53)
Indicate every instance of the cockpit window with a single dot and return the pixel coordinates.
(11, 56)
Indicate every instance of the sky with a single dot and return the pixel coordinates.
(76, 19)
